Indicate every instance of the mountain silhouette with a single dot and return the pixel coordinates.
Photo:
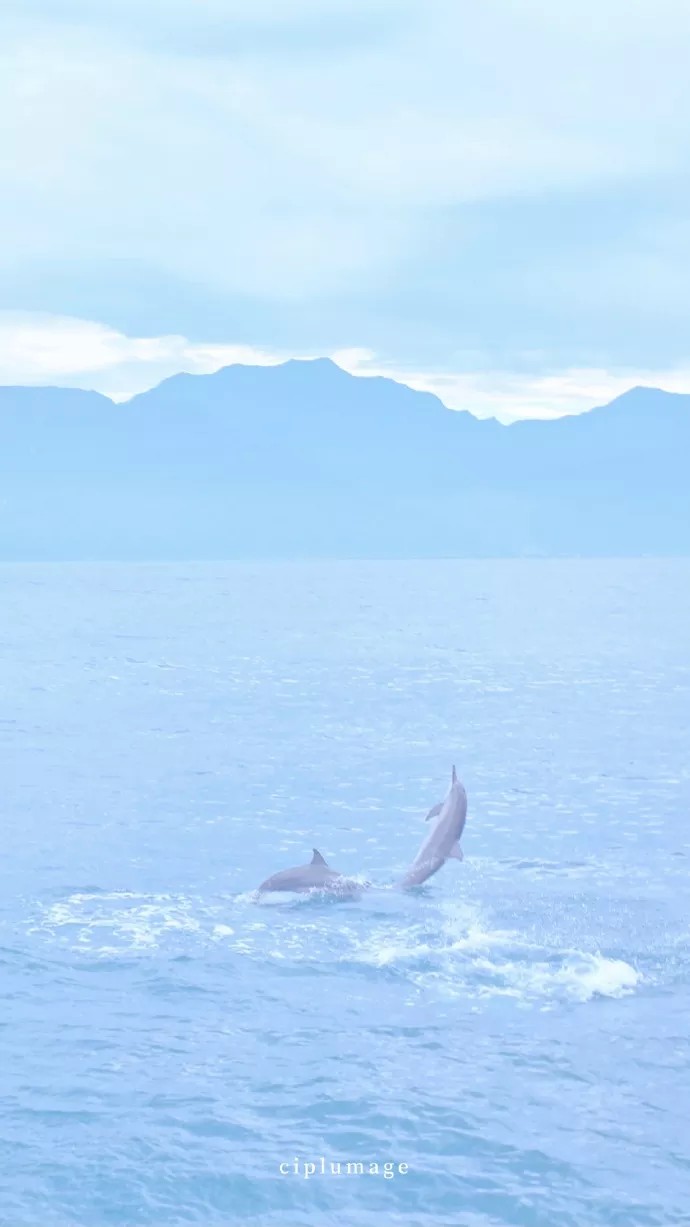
(305, 460)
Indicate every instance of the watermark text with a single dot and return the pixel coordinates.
(306, 1168)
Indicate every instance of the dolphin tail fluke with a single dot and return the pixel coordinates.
(455, 853)
(434, 811)
(317, 858)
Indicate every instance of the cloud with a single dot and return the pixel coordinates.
(259, 176)
(116, 154)
(418, 179)
(513, 395)
(64, 352)
(67, 352)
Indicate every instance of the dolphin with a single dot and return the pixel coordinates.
(443, 842)
(314, 876)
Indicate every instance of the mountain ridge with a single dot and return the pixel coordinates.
(630, 395)
(303, 459)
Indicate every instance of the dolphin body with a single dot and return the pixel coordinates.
(443, 842)
(314, 876)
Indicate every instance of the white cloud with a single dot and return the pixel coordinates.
(510, 395)
(62, 351)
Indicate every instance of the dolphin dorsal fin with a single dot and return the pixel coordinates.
(317, 858)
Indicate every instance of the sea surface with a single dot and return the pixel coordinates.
(517, 1032)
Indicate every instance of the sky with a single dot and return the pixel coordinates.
(489, 201)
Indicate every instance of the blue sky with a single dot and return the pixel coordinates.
(489, 200)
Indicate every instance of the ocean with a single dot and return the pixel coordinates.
(513, 1040)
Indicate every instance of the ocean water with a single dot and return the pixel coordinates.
(517, 1033)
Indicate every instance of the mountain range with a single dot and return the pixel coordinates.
(304, 460)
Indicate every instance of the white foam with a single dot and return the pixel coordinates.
(594, 975)
(450, 950)
(113, 922)
(462, 956)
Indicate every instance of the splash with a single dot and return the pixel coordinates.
(451, 951)
(458, 954)
(115, 922)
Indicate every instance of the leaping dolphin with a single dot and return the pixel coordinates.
(314, 876)
(443, 842)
